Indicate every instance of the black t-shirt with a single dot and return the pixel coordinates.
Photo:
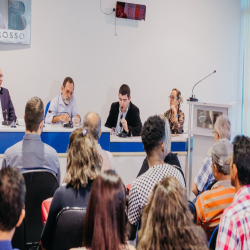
(65, 196)
(170, 159)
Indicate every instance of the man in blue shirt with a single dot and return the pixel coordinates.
(31, 152)
(12, 197)
(63, 107)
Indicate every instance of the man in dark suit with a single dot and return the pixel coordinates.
(7, 111)
(124, 116)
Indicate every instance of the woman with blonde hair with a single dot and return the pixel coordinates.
(174, 115)
(167, 222)
(83, 166)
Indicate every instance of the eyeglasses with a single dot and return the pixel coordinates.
(173, 97)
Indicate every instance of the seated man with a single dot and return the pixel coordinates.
(63, 107)
(93, 122)
(31, 152)
(12, 198)
(6, 106)
(153, 137)
(222, 129)
(124, 116)
(211, 203)
(234, 229)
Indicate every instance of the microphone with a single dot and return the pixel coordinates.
(192, 98)
(6, 122)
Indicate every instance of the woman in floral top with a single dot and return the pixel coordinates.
(174, 115)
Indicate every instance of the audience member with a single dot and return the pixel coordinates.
(104, 225)
(63, 107)
(170, 159)
(154, 141)
(124, 116)
(92, 121)
(211, 204)
(234, 228)
(167, 222)
(222, 129)
(174, 115)
(31, 152)
(12, 198)
(83, 166)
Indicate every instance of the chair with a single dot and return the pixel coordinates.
(69, 228)
(213, 238)
(193, 210)
(46, 109)
(40, 185)
(210, 184)
(19, 238)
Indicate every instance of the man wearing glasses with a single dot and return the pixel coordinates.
(6, 107)
(63, 108)
(31, 152)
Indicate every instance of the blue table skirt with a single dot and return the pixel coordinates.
(59, 141)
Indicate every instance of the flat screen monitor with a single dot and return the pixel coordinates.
(130, 11)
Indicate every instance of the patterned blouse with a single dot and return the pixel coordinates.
(175, 127)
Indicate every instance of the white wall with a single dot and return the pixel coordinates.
(179, 43)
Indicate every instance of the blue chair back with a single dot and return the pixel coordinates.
(47, 108)
(213, 238)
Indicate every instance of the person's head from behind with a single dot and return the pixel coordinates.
(168, 134)
(221, 153)
(153, 137)
(124, 97)
(12, 198)
(240, 162)
(92, 121)
(83, 161)
(167, 222)
(67, 90)
(34, 115)
(104, 225)
(222, 128)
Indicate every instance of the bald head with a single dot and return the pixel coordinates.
(93, 122)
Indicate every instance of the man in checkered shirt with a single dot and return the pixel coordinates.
(234, 228)
(153, 137)
(222, 129)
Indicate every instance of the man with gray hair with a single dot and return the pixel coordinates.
(211, 203)
(93, 122)
(222, 129)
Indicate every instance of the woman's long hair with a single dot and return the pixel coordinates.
(167, 222)
(83, 161)
(104, 225)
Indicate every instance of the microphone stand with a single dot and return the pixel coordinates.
(192, 98)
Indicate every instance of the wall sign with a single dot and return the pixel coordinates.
(15, 19)
(130, 11)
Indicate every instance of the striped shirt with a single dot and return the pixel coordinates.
(234, 229)
(211, 204)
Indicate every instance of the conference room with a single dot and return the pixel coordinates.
(87, 62)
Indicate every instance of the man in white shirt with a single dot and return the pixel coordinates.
(63, 108)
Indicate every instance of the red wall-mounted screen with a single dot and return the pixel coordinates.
(130, 11)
